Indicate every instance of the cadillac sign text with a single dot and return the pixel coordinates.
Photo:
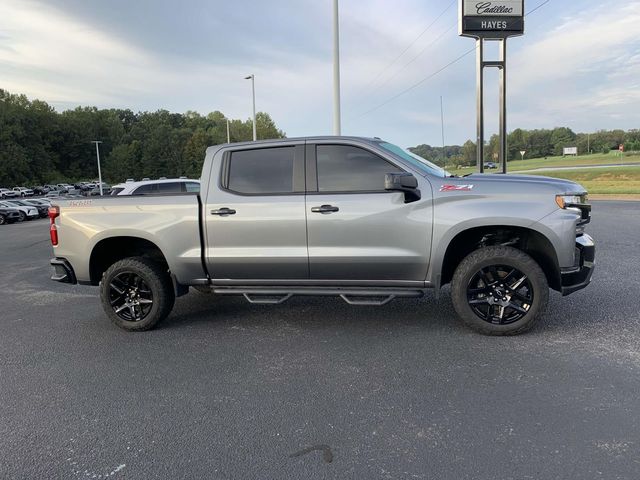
(493, 20)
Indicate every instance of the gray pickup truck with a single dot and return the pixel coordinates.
(358, 218)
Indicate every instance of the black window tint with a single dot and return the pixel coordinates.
(268, 170)
(116, 191)
(169, 187)
(144, 189)
(192, 187)
(342, 168)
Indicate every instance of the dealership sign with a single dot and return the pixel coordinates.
(489, 19)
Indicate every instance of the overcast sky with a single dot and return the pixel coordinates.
(578, 64)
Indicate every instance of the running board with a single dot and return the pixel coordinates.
(353, 296)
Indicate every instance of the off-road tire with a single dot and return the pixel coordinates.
(153, 276)
(485, 258)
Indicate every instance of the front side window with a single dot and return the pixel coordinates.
(343, 168)
(145, 189)
(261, 171)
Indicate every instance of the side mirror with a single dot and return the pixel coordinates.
(403, 182)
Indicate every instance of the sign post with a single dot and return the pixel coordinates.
(522, 153)
(497, 21)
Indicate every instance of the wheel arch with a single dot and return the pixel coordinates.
(531, 241)
(109, 250)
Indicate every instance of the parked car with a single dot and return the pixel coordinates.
(490, 165)
(26, 212)
(9, 215)
(23, 191)
(54, 194)
(357, 218)
(6, 193)
(153, 187)
(40, 190)
(43, 208)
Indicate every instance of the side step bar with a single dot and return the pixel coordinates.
(353, 296)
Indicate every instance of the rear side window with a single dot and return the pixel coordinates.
(169, 187)
(116, 191)
(343, 168)
(192, 187)
(261, 171)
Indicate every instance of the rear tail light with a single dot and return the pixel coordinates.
(54, 212)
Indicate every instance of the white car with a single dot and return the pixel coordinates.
(26, 213)
(6, 193)
(153, 187)
(23, 192)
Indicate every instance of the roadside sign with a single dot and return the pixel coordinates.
(522, 152)
(493, 20)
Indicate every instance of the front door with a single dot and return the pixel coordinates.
(356, 230)
(255, 216)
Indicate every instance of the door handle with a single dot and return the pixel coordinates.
(325, 209)
(223, 211)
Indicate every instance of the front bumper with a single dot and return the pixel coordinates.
(579, 276)
(62, 271)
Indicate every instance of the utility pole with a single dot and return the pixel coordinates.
(444, 161)
(98, 142)
(336, 70)
(588, 144)
(228, 134)
(252, 77)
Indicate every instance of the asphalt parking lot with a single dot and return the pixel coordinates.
(315, 388)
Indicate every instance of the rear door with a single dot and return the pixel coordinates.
(255, 215)
(357, 231)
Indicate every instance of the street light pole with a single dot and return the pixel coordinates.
(253, 91)
(228, 133)
(336, 70)
(98, 142)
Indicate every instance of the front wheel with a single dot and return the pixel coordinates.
(3, 219)
(136, 293)
(499, 291)
(23, 217)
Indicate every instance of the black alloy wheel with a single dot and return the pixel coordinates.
(500, 295)
(499, 290)
(130, 297)
(137, 293)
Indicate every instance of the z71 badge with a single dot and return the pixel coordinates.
(456, 188)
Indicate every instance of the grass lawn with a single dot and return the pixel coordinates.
(602, 180)
(549, 162)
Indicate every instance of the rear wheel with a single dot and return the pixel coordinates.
(3, 219)
(136, 293)
(499, 291)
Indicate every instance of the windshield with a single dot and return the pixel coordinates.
(415, 160)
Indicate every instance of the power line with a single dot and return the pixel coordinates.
(433, 74)
(413, 59)
(419, 83)
(411, 44)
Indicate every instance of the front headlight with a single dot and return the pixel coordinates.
(571, 200)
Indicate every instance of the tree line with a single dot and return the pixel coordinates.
(40, 145)
(536, 143)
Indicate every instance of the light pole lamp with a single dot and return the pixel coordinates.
(98, 142)
(252, 77)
